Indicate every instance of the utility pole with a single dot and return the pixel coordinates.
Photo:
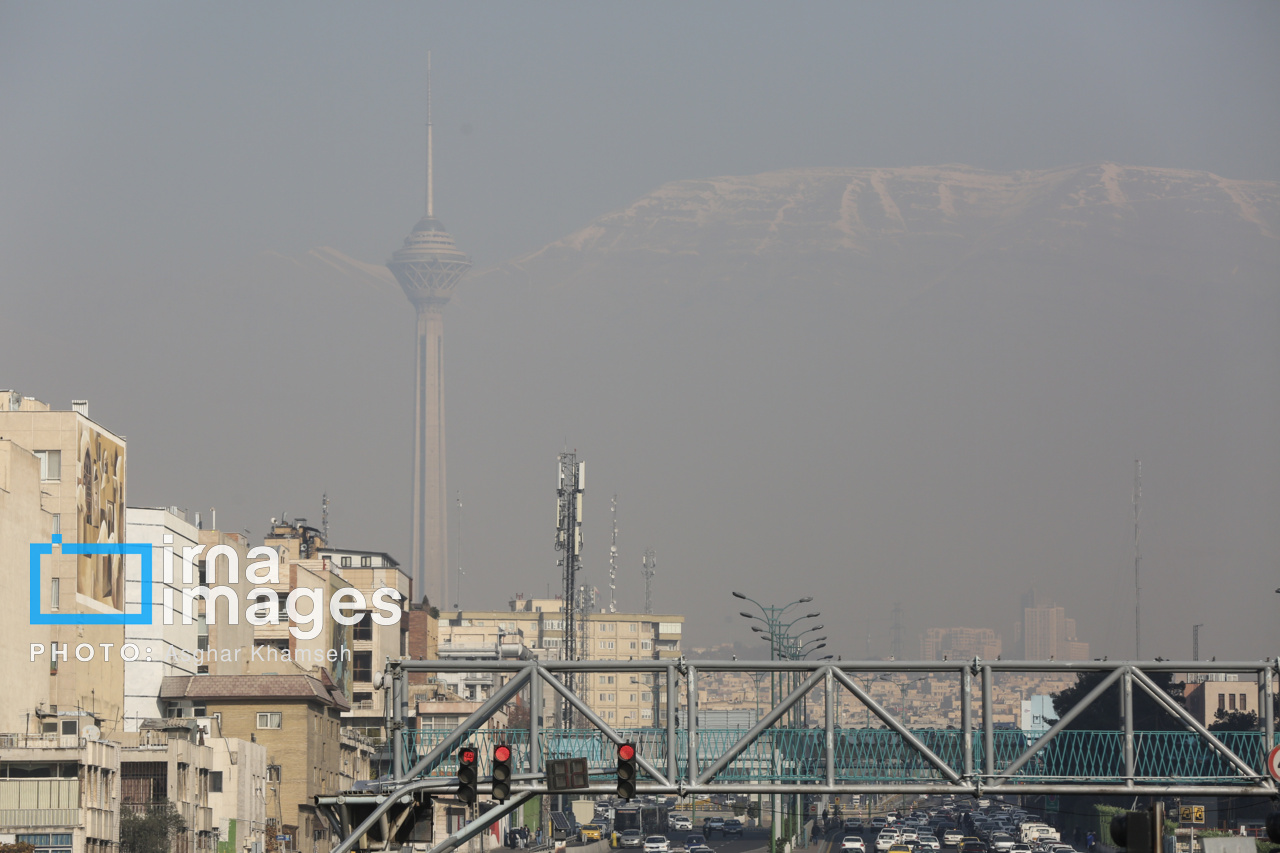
(650, 564)
(572, 476)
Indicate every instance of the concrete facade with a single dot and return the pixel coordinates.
(60, 792)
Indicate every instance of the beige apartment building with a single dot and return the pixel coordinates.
(535, 627)
(77, 495)
(298, 721)
(372, 643)
(60, 793)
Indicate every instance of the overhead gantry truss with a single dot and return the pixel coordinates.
(783, 753)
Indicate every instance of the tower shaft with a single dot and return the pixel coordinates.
(430, 522)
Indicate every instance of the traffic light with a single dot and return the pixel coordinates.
(501, 772)
(467, 774)
(627, 771)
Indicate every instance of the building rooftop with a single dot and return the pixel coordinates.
(251, 687)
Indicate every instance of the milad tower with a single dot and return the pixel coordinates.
(428, 267)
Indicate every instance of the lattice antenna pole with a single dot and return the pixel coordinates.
(613, 559)
(650, 564)
(569, 544)
(1137, 561)
(1195, 641)
(324, 517)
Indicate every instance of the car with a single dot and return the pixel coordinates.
(631, 838)
(657, 844)
(902, 848)
(885, 840)
(973, 846)
(732, 826)
(853, 842)
(879, 822)
(928, 842)
(680, 821)
(1002, 842)
(714, 824)
(952, 837)
(853, 824)
(700, 850)
(590, 832)
(695, 840)
(908, 834)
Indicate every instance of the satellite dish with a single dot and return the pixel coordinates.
(377, 680)
(91, 732)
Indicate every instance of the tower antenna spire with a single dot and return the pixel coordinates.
(430, 187)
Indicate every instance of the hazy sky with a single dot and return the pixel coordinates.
(146, 147)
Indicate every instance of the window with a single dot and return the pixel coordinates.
(362, 666)
(646, 714)
(69, 727)
(363, 630)
(668, 627)
(55, 593)
(646, 697)
(273, 772)
(50, 464)
(633, 697)
(551, 642)
(1222, 702)
(1244, 705)
(215, 781)
(269, 719)
(646, 645)
(1233, 701)
(366, 562)
(633, 645)
(553, 625)
(345, 562)
(57, 523)
(632, 627)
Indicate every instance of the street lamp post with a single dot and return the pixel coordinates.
(781, 645)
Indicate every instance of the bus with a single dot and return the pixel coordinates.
(650, 820)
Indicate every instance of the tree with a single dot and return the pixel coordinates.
(1236, 721)
(152, 830)
(1104, 713)
(17, 847)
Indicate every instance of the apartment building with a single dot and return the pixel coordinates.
(80, 499)
(60, 793)
(297, 718)
(536, 627)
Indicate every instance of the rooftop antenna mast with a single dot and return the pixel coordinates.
(430, 186)
(324, 517)
(650, 564)
(1137, 561)
(1195, 641)
(613, 559)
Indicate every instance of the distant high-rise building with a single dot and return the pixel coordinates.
(959, 643)
(428, 268)
(1045, 632)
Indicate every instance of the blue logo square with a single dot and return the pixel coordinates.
(38, 617)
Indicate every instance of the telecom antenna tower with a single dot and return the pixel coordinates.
(572, 477)
(613, 559)
(428, 268)
(324, 517)
(1137, 561)
(650, 563)
(457, 593)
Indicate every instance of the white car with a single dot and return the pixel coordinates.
(680, 821)
(657, 844)
(908, 835)
(853, 842)
(928, 842)
(885, 840)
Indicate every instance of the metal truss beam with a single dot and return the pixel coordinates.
(813, 756)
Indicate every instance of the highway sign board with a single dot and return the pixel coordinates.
(1273, 763)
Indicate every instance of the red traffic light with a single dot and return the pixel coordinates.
(626, 752)
(502, 753)
(467, 756)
